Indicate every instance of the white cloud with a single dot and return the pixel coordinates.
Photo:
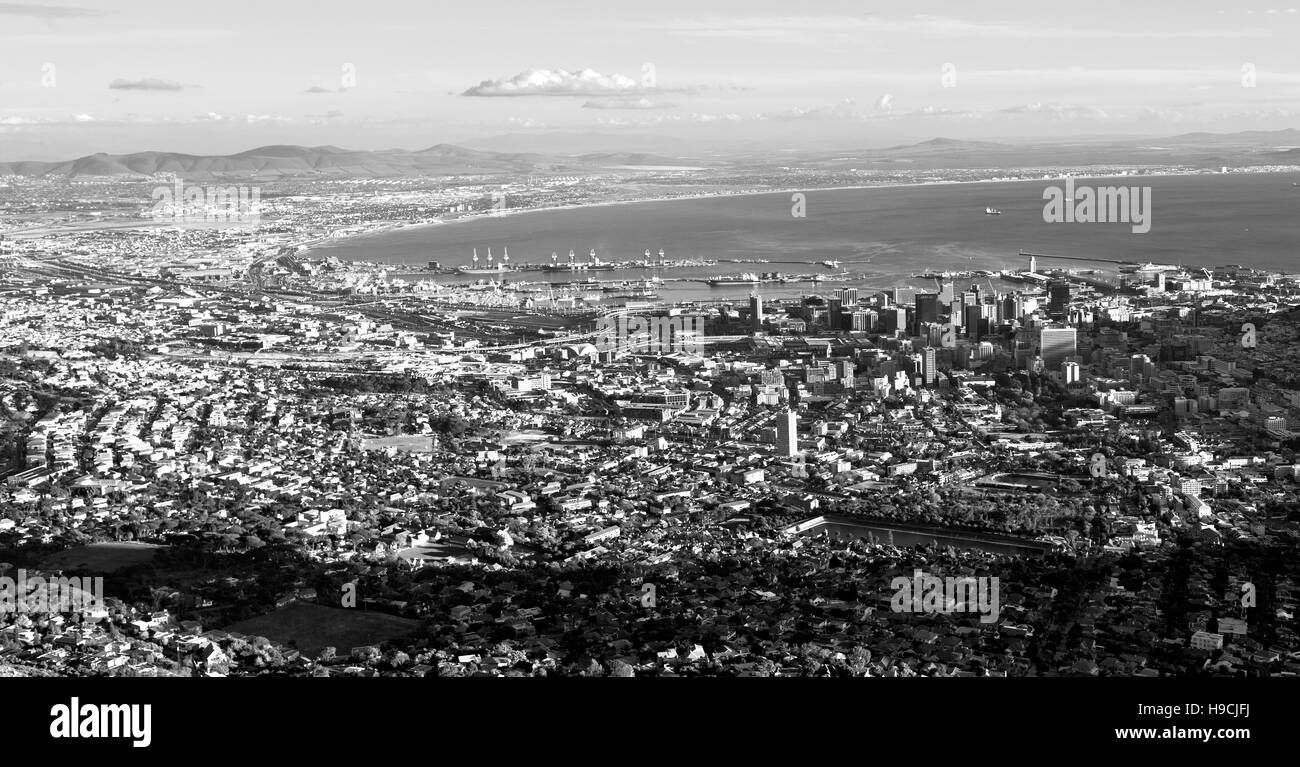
(557, 82)
(1059, 111)
(147, 84)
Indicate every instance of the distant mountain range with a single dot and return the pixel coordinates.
(270, 162)
(602, 152)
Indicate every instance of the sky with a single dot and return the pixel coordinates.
(85, 76)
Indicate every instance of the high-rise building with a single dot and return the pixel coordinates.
(1058, 297)
(847, 296)
(1012, 308)
(787, 433)
(927, 308)
(1055, 346)
(893, 319)
(976, 327)
(845, 370)
(756, 313)
(928, 371)
(1139, 368)
(834, 308)
(1072, 371)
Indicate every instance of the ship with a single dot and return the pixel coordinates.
(748, 278)
(831, 264)
(498, 269)
(594, 265)
(992, 212)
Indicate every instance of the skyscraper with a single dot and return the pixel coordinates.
(928, 371)
(927, 308)
(787, 433)
(1055, 346)
(974, 322)
(756, 313)
(1058, 297)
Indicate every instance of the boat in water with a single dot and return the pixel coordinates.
(992, 212)
(500, 268)
(749, 278)
(593, 265)
(831, 264)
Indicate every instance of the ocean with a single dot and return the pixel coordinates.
(883, 236)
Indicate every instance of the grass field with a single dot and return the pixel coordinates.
(102, 557)
(313, 627)
(412, 443)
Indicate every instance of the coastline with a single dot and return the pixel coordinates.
(390, 228)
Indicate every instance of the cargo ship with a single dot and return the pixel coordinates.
(748, 278)
(594, 265)
(500, 268)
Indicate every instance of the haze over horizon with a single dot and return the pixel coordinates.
(83, 76)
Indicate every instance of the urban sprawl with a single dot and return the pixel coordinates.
(283, 463)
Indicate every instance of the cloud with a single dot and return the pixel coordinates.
(693, 117)
(844, 110)
(558, 82)
(885, 103)
(1059, 111)
(146, 84)
(525, 122)
(46, 11)
(248, 119)
(626, 102)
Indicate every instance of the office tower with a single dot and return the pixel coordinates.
(834, 308)
(787, 433)
(847, 296)
(1055, 346)
(970, 298)
(864, 320)
(1140, 368)
(945, 293)
(1073, 372)
(1058, 297)
(756, 313)
(974, 322)
(927, 308)
(893, 319)
(846, 371)
(928, 371)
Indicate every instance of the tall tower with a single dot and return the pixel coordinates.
(787, 434)
(929, 372)
(755, 313)
(1056, 345)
